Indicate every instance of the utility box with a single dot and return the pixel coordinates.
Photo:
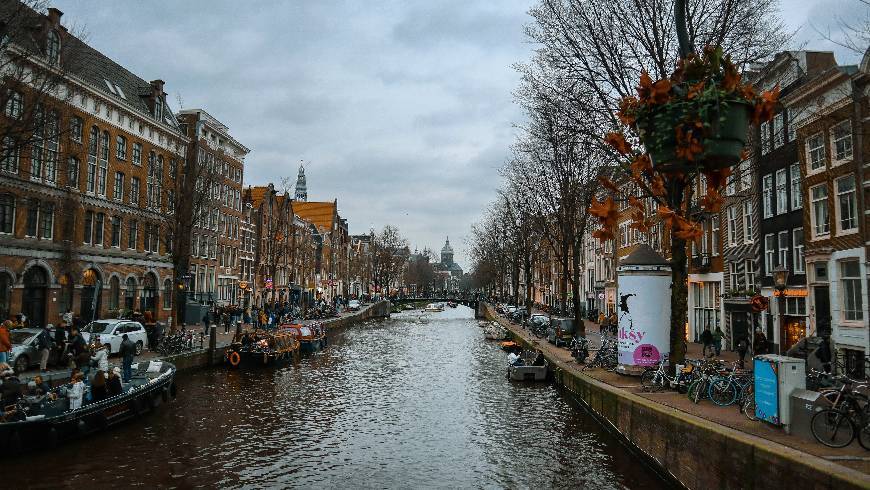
(803, 405)
(776, 377)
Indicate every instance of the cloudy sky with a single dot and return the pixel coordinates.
(400, 109)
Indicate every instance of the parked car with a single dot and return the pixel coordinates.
(353, 305)
(110, 333)
(25, 353)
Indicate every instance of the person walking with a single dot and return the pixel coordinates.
(707, 340)
(5, 342)
(127, 352)
(759, 342)
(44, 343)
(718, 334)
(205, 322)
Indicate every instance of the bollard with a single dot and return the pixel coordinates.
(212, 343)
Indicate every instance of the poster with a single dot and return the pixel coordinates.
(644, 330)
(766, 391)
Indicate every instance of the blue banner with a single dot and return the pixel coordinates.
(766, 391)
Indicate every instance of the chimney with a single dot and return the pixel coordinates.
(54, 16)
(157, 87)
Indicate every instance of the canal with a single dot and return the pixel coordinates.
(418, 400)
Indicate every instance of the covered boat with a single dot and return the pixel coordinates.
(434, 307)
(528, 373)
(311, 337)
(43, 422)
(262, 348)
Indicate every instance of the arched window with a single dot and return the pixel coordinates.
(52, 47)
(114, 293)
(167, 294)
(130, 294)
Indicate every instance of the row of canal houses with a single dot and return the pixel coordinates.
(799, 202)
(89, 184)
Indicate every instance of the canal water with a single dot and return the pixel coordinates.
(415, 401)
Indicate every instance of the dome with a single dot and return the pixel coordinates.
(447, 248)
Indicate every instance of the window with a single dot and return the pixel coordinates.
(133, 231)
(76, 128)
(789, 125)
(796, 306)
(841, 140)
(798, 254)
(781, 192)
(767, 195)
(88, 227)
(7, 213)
(14, 105)
(769, 253)
(118, 189)
(73, 169)
(733, 276)
(52, 47)
(847, 204)
(46, 221)
(745, 176)
(732, 225)
(99, 227)
(749, 271)
(137, 153)
(714, 235)
(819, 199)
(778, 134)
(765, 137)
(747, 221)
(103, 175)
(850, 278)
(134, 190)
(783, 248)
(93, 143)
(32, 217)
(796, 198)
(116, 231)
(10, 156)
(155, 180)
(120, 148)
(816, 152)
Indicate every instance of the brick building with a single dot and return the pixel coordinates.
(80, 205)
(831, 115)
(217, 239)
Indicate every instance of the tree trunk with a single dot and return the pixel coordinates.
(679, 301)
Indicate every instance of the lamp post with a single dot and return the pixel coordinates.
(780, 280)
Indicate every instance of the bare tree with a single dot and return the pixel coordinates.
(389, 251)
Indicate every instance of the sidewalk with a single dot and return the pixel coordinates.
(852, 456)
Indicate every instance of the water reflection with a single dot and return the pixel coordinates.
(413, 401)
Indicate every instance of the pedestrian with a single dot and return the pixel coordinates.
(604, 326)
(100, 359)
(158, 334)
(718, 334)
(5, 342)
(67, 317)
(759, 342)
(99, 390)
(205, 322)
(227, 320)
(707, 340)
(823, 353)
(38, 386)
(76, 391)
(742, 348)
(127, 352)
(78, 350)
(60, 341)
(44, 344)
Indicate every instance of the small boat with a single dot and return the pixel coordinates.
(451, 304)
(434, 307)
(408, 307)
(510, 346)
(527, 373)
(38, 423)
(311, 338)
(262, 348)
(495, 331)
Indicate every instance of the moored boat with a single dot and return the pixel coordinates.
(311, 338)
(434, 307)
(262, 348)
(528, 373)
(38, 423)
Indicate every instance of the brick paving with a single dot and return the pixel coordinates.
(853, 456)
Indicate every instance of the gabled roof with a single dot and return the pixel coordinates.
(257, 194)
(320, 214)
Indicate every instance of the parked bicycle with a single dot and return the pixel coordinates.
(847, 419)
(657, 379)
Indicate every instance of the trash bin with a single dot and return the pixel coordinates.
(803, 404)
(776, 377)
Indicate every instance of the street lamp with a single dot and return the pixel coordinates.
(780, 279)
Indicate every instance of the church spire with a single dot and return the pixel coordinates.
(301, 186)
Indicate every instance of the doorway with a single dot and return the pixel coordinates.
(821, 295)
(89, 309)
(33, 302)
(739, 327)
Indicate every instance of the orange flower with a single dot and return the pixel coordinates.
(657, 186)
(687, 230)
(688, 145)
(603, 234)
(695, 90)
(617, 141)
(635, 203)
(604, 210)
(716, 179)
(731, 81)
(712, 202)
(747, 91)
(764, 108)
(627, 108)
(661, 92)
(641, 165)
(644, 89)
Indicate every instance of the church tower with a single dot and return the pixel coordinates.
(301, 186)
(447, 254)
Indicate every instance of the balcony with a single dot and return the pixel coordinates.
(701, 263)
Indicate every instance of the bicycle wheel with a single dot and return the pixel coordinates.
(723, 392)
(864, 434)
(694, 388)
(748, 408)
(832, 428)
(649, 381)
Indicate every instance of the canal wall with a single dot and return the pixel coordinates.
(697, 453)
